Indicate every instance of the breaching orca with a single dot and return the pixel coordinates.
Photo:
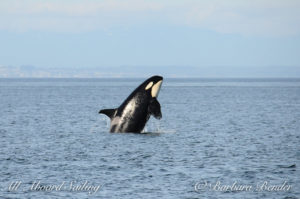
(135, 111)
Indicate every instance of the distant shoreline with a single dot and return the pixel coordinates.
(170, 78)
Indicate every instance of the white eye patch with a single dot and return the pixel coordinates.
(149, 85)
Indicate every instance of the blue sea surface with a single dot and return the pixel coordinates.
(218, 138)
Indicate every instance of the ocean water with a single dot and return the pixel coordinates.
(218, 138)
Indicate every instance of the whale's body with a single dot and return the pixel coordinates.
(133, 114)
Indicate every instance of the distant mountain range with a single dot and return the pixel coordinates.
(145, 71)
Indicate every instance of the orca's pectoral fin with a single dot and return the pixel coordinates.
(154, 108)
(109, 112)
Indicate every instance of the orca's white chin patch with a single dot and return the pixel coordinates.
(155, 89)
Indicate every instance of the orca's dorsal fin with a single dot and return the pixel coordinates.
(154, 108)
(109, 112)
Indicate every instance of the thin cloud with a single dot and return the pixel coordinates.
(264, 17)
(256, 17)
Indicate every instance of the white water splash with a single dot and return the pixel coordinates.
(155, 126)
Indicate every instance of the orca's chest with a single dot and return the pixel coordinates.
(132, 118)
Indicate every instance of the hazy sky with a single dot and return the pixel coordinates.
(200, 33)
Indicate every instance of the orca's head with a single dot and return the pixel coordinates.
(152, 85)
